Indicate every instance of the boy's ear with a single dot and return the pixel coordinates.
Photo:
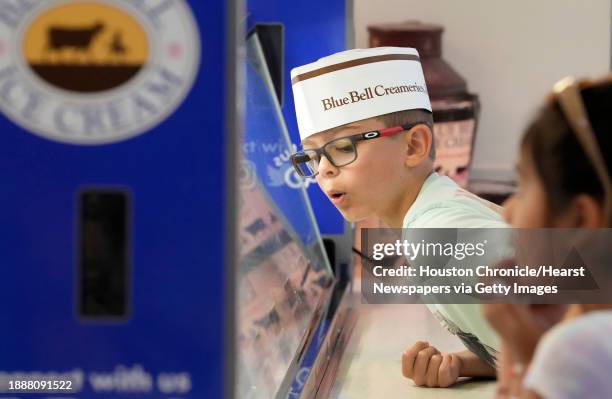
(418, 142)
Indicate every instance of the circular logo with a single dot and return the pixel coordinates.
(95, 72)
(370, 135)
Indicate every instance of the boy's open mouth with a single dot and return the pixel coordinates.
(336, 196)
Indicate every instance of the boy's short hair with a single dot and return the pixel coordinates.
(411, 116)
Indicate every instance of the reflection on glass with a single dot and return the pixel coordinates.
(283, 274)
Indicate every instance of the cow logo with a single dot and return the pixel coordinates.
(97, 71)
(68, 55)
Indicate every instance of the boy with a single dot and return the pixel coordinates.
(365, 125)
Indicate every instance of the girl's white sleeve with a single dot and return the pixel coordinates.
(574, 360)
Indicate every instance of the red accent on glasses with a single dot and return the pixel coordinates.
(391, 131)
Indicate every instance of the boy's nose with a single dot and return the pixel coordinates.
(326, 168)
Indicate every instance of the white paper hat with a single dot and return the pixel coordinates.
(357, 84)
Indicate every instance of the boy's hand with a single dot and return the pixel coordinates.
(426, 366)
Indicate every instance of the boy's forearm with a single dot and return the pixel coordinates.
(473, 366)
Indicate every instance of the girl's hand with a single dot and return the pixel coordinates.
(521, 326)
(508, 381)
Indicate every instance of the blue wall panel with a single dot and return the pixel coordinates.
(313, 29)
(175, 179)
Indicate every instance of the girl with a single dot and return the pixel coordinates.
(564, 181)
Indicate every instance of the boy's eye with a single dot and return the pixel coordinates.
(346, 148)
(343, 146)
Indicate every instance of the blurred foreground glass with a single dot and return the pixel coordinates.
(284, 276)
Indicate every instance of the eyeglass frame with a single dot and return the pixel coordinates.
(370, 135)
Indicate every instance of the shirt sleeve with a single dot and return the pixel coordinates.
(573, 361)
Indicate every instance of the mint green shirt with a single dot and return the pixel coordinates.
(441, 203)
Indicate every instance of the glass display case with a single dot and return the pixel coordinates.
(284, 277)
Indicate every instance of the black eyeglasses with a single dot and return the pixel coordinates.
(339, 152)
